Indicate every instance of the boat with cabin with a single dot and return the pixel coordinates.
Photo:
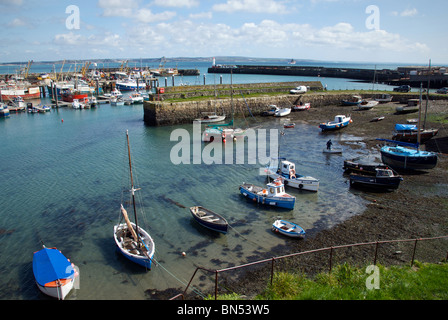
(340, 121)
(286, 171)
(383, 179)
(353, 101)
(273, 195)
(409, 133)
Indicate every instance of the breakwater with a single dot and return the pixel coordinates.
(162, 113)
(383, 75)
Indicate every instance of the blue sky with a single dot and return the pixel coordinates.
(331, 30)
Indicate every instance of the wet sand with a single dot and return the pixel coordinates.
(418, 209)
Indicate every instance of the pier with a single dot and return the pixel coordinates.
(436, 77)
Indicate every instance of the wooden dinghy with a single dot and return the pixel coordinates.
(209, 219)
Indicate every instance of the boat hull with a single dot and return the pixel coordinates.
(142, 260)
(288, 229)
(300, 182)
(209, 219)
(281, 202)
(385, 183)
(404, 158)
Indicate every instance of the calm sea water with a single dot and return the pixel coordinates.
(61, 181)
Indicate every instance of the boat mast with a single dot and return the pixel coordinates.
(419, 116)
(132, 183)
(427, 93)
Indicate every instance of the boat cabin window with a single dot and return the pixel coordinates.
(271, 190)
(384, 173)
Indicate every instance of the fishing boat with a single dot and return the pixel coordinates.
(282, 112)
(130, 84)
(287, 228)
(134, 98)
(384, 179)
(286, 171)
(209, 219)
(273, 195)
(340, 121)
(4, 111)
(69, 95)
(409, 133)
(54, 273)
(131, 239)
(301, 106)
(356, 166)
(353, 101)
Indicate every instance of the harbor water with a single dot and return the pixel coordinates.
(63, 173)
(62, 181)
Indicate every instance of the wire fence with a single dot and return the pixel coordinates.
(331, 251)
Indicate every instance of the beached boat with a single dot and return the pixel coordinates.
(412, 106)
(54, 273)
(289, 125)
(384, 179)
(407, 156)
(209, 219)
(353, 101)
(287, 172)
(340, 121)
(271, 111)
(376, 119)
(301, 107)
(287, 228)
(367, 104)
(273, 195)
(384, 98)
(209, 118)
(356, 166)
(131, 239)
(282, 112)
(409, 133)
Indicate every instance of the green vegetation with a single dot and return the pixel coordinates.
(423, 281)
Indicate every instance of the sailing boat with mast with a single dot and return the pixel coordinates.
(408, 156)
(132, 240)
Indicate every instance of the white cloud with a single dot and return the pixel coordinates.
(252, 6)
(176, 3)
(406, 13)
(118, 8)
(146, 16)
(201, 15)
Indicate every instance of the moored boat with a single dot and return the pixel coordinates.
(287, 172)
(209, 219)
(353, 101)
(288, 228)
(407, 156)
(340, 121)
(273, 195)
(131, 239)
(409, 133)
(54, 273)
(282, 112)
(383, 179)
(301, 106)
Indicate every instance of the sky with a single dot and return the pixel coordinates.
(399, 31)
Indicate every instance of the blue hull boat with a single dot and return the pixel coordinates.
(287, 228)
(273, 195)
(399, 157)
(339, 122)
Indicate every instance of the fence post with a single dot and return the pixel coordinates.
(413, 253)
(272, 269)
(331, 258)
(376, 253)
(216, 285)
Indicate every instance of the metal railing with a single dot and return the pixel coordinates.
(330, 249)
